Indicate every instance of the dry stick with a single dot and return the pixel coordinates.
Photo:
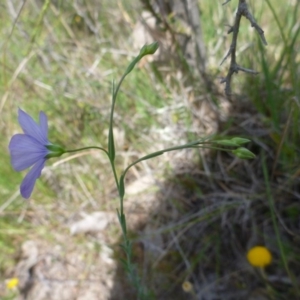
(193, 13)
(194, 18)
(226, 2)
(234, 67)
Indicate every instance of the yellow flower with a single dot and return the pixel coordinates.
(12, 283)
(187, 286)
(259, 256)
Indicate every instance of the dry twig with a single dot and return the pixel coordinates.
(234, 67)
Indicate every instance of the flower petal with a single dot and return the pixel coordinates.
(29, 180)
(44, 124)
(25, 151)
(31, 128)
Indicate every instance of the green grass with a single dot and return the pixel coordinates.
(276, 92)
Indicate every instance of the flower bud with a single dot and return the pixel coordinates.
(240, 141)
(243, 153)
(227, 143)
(148, 49)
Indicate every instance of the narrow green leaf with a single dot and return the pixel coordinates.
(121, 187)
(124, 227)
(111, 142)
(158, 153)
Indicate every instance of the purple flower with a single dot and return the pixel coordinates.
(31, 149)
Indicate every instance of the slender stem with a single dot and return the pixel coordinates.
(118, 87)
(86, 148)
(127, 246)
(115, 93)
(111, 155)
(111, 146)
(116, 179)
(157, 153)
(186, 146)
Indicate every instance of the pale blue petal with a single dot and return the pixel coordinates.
(25, 151)
(28, 182)
(31, 128)
(44, 124)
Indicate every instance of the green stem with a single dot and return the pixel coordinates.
(127, 246)
(116, 179)
(111, 146)
(86, 148)
(186, 146)
(275, 224)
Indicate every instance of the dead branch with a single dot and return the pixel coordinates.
(234, 67)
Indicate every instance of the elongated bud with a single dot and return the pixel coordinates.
(235, 142)
(227, 143)
(240, 141)
(55, 151)
(145, 50)
(243, 153)
(148, 49)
